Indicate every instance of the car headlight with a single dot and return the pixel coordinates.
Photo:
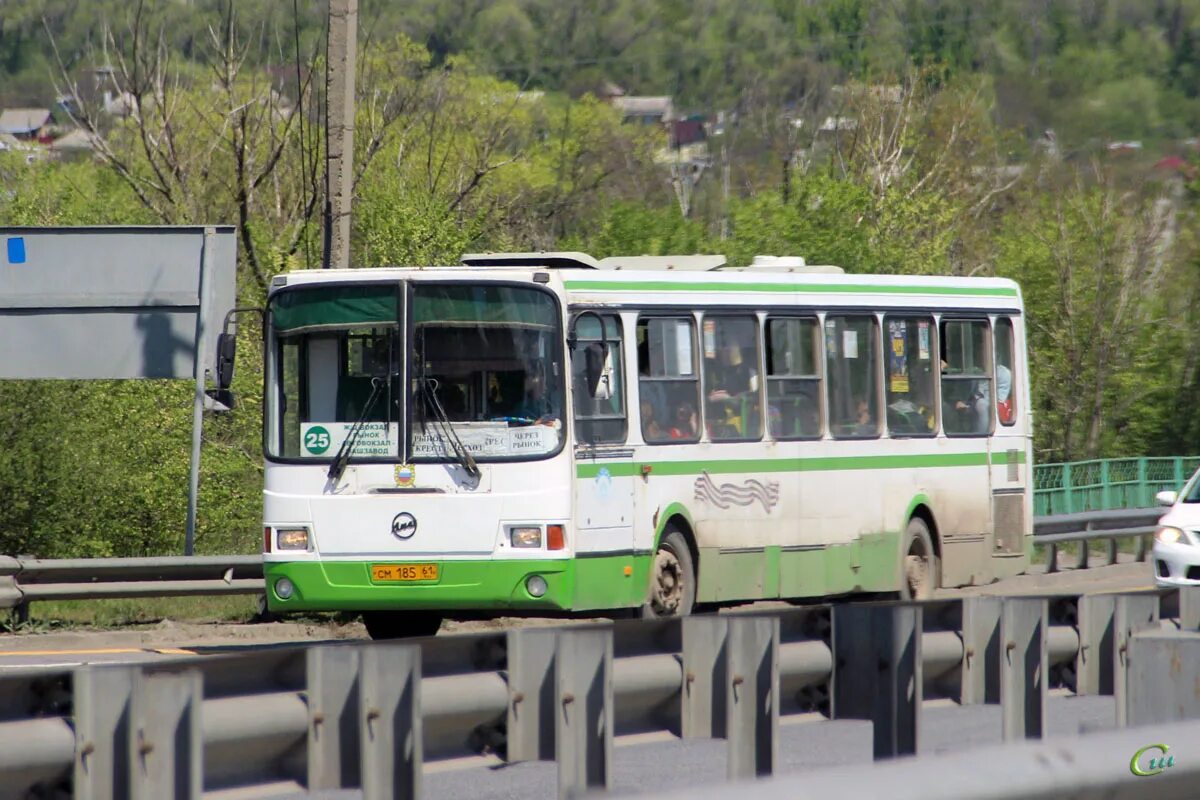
(525, 536)
(1169, 535)
(291, 539)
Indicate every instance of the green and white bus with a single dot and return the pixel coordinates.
(551, 434)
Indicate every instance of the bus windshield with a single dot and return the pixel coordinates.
(486, 371)
(484, 365)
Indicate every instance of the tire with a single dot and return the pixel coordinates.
(920, 569)
(672, 578)
(401, 624)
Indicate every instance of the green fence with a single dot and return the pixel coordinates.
(1107, 483)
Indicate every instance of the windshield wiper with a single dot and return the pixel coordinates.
(343, 454)
(461, 453)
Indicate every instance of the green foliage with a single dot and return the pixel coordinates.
(455, 152)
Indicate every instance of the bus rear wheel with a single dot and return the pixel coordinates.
(672, 578)
(921, 567)
(401, 624)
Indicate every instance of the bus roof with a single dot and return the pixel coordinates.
(737, 284)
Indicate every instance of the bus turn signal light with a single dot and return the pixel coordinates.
(555, 540)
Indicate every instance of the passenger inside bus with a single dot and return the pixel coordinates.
(733, 407)
(535, 403)
(912, 412)
(965, 403)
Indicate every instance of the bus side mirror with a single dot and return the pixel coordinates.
(222, 398)
(226, 352)
(596, 356)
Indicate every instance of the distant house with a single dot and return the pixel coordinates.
(833, 126)
(74, 142)
(686, 131)
(647, 110)
(26, 124)
(1176, 165)
(1125, 147)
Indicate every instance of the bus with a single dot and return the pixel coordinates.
(545, 434)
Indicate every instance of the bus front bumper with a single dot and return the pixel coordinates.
(460, 586)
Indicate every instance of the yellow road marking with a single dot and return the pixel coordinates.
(102, 651)
(1124, 591)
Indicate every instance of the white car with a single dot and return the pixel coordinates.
(1177, 541)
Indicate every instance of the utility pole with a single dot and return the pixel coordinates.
(341, 51)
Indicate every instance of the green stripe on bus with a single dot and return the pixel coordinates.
(819, 464)
(816, 288)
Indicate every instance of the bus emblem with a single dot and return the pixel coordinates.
(406, 475)
(404, 525)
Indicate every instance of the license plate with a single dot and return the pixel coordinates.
(404, 573)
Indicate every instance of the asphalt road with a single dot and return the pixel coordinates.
(170, 639)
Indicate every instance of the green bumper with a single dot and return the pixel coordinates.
(571, 585)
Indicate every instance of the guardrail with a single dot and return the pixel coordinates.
(347, 716)
(1091, 526)
(24, 580)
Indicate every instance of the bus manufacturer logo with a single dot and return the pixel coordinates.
(404, 525)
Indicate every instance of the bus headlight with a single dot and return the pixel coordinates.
(284, 588)
(1170, 536)
(525, 537)
(291, 539)
(535, 585)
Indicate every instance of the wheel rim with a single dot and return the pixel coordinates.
(668, 583)
(917, 572)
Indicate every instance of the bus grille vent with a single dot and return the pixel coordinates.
(1008, 514)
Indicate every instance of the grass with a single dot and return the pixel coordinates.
(119, 613)
(66, 615)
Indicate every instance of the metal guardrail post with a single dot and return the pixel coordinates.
(1094, 661)
(331, 674)
(1163, 673)
(878, 673)
(1133, 613)
(981, 650)
(583, 701)
(1023, 667)
(1082, 557)
(390, 720)
(752, 696)
(101, 701)
(702, 706)
(1189, 608)
(530, 728)
(166, 750)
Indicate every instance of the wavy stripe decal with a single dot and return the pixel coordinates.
(728, 495)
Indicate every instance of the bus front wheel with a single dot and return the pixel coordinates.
(672, 578)
(920, 564)
(401, 624)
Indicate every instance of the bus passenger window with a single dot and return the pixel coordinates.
(793, 378)
(1006, 390)
(910, 376)
(733, 404)
(599, 419)
(852, 363)
(966, 378)
(668, 381)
